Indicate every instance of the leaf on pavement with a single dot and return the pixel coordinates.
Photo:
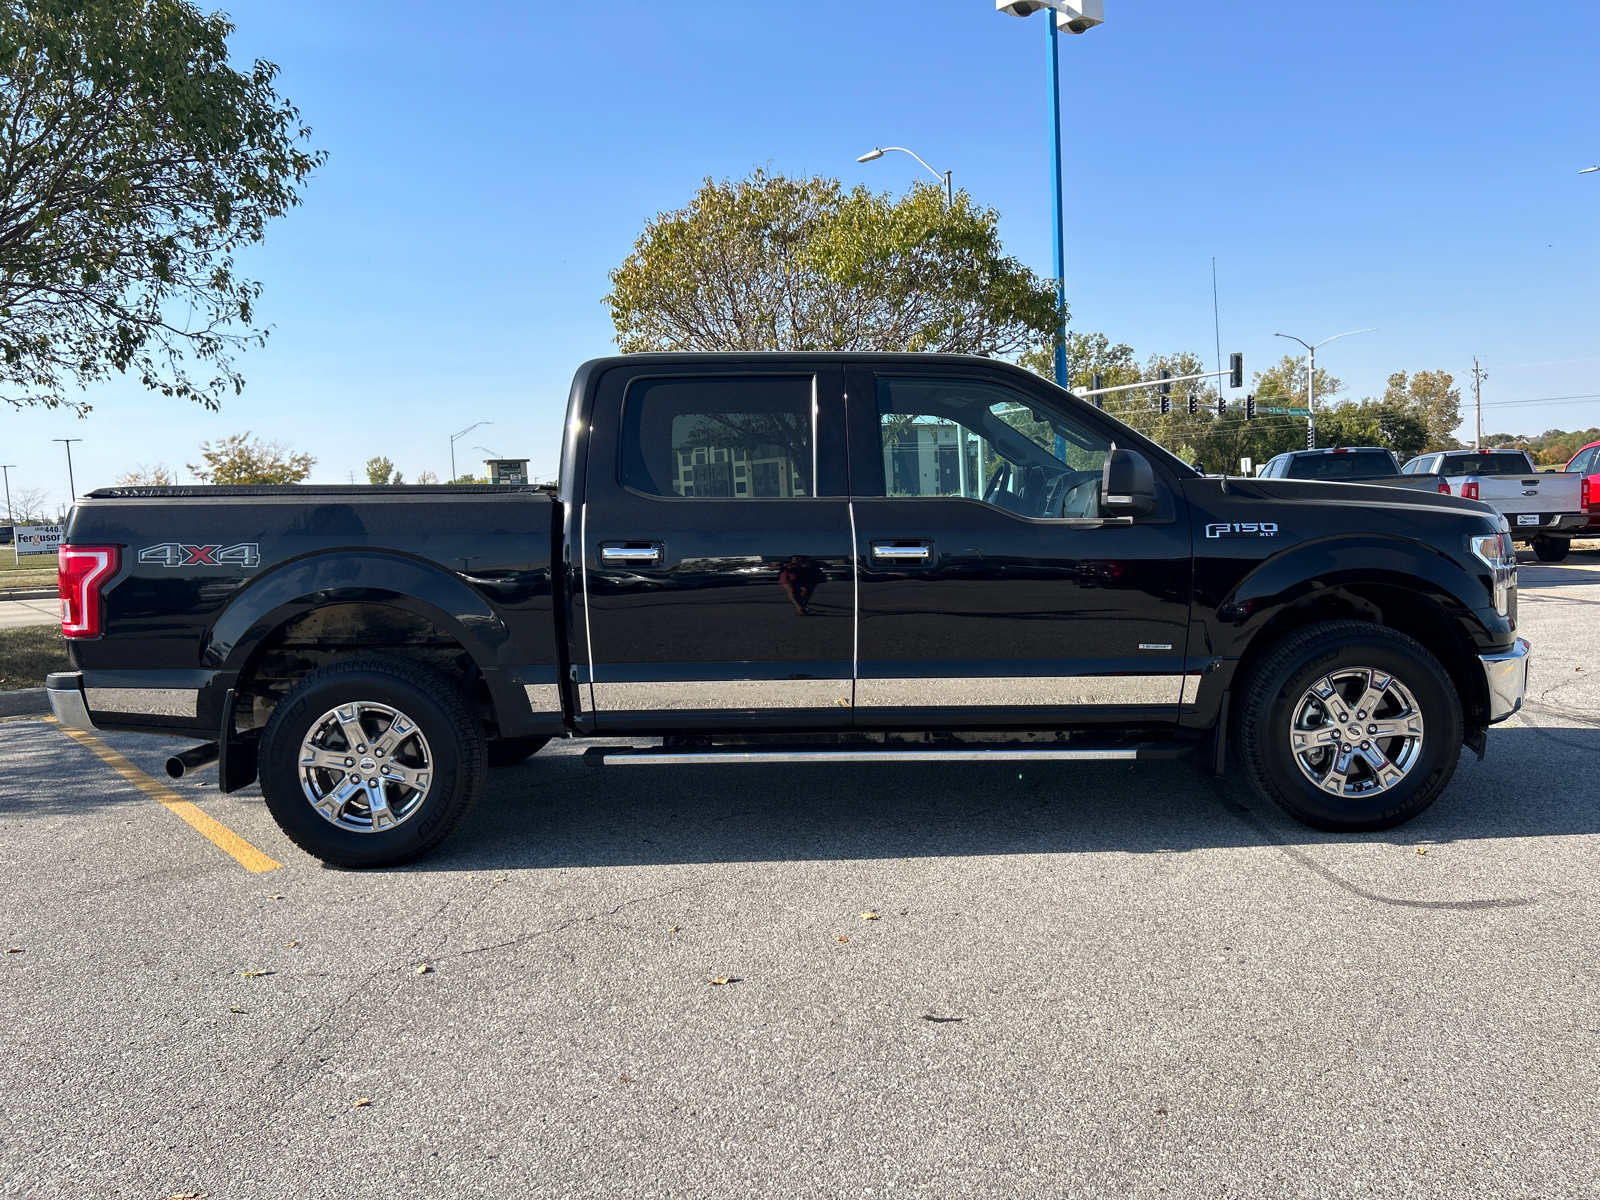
(869, 916)
(257, 973)
(841, 938)
(235, 1008)
(290, 945)
(675, 929)
(16, 950)
(275, 896)
(364, 1102)
(1422, 849)
(188, 1196)
(724, 979)
(424, 969)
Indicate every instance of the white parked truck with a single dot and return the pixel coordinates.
(1542, 508)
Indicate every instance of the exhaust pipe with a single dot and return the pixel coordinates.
(191, 760)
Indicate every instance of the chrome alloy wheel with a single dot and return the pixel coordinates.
(1357, 732)
(365, 767)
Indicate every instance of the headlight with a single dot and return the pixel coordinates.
(1497, 552)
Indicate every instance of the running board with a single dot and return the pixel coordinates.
(656, 756)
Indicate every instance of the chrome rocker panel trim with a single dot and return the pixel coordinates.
(652, 758)
(1507, 678)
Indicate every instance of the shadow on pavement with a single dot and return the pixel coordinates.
(553, 811)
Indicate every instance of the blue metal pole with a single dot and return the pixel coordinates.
(1055, 186)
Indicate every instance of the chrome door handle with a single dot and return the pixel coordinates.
(901, 553)
(632, 553)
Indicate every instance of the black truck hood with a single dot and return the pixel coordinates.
(1327, 492)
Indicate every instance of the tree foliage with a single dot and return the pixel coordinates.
(1433, 398)
(134, 163)
(144, 476)
(380, 471)
(243, 459)
(779, 263)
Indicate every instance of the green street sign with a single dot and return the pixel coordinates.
(1289, 412)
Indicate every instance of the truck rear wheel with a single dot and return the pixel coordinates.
(1551, 549)
(1349, 727)
(371, 762)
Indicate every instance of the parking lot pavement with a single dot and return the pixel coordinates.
(16, 613)
(1079, 981)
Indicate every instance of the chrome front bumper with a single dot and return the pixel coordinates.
(1507, 677)
(65, 690)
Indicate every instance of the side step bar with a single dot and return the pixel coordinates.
(656, 756)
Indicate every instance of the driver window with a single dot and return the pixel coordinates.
(983, 441)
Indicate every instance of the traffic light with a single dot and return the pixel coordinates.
(1249, 408)
(1236, 370)
(1222, 405)
(1096, 382)
(1166, 388)
(1166, 405)
(1194, 403)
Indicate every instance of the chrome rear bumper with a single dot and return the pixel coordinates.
(1507, 677)
(65, 690)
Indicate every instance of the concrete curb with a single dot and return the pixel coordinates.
(24, 702)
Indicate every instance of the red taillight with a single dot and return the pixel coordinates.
(81, 571)
(1584, 493)
(1469, 491)
(1444, 488)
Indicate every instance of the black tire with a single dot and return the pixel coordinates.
(1551, 549)
(1271, 700)
(455, 760)
(508, 752)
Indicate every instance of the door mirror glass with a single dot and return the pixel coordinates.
(1127, 485)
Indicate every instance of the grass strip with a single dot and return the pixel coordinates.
(30, 653)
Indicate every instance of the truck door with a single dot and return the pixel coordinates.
(716, 549)
(991, 590)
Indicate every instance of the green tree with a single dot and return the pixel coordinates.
(779, 263)
(381, 471)
(243, 459)
(1433, 397)
(134, 163)
(1087, 353)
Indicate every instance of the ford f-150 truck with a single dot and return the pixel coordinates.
(795, 558)
(1544, 509)
(1374, 466)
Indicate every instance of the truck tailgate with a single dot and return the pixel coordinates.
(1527, 494)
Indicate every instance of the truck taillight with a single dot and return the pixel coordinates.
(1585, 494)
(1469, 491)
(1444, 488)
(81, 572)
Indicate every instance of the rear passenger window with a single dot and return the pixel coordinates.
(726, 438)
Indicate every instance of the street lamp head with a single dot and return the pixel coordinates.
(1074, 16)
(1589, 170)
(870, 155)
(1019, 8)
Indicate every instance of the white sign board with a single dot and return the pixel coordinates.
(38, 539)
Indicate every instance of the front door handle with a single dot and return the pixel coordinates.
(632, 554)
(902, 551)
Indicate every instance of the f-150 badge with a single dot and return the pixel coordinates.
(177, 554)
(1243, 529)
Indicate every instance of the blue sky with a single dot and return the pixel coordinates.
(1411, 167)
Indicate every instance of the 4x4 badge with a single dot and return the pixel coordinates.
(177, 554)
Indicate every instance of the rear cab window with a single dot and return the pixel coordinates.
(1357, 464)
(1504, 462)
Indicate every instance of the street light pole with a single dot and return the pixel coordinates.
(1311, 379)
(5, 469)
(453, 438)
(1059, 239)
(878, 152)
(72, 486)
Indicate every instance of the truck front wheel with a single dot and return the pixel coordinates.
(371, 762)
(1349, 727)
(1551, 549)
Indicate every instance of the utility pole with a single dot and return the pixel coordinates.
(5, 469)
(1478, 376)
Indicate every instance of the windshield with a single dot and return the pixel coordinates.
(1368, 464)
(1503, 463)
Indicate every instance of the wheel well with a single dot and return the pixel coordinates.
(1408, 612)
(333, 632)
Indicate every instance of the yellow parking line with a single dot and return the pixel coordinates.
(226, 839)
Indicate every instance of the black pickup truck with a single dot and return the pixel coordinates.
(800, 557)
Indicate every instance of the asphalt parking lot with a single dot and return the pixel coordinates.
(1079, 981)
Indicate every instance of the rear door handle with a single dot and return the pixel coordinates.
(902, 551)
(620, 554)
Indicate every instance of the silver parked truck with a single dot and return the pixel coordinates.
(1543, 509)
